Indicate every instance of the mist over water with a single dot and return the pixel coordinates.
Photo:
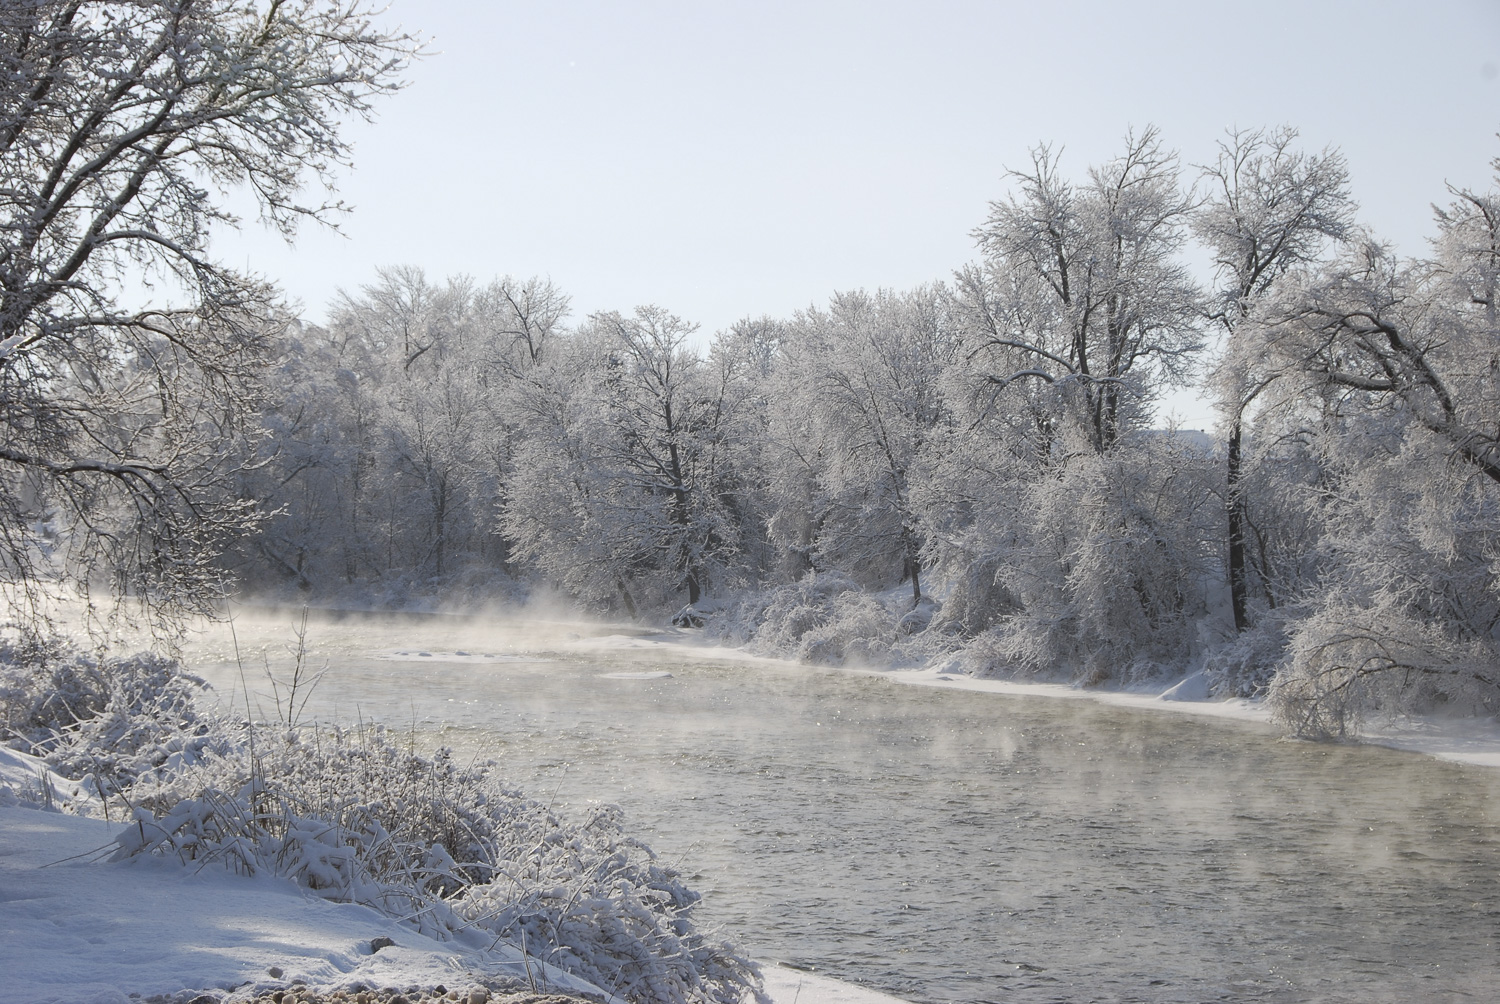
(953, 846)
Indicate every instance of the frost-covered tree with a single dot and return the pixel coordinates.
(1269, 208)
(1082, 288)
(742, 364)
(314, 473)
(865, 381)
(1397, 362)
(1072, 536)
(396, 431)
(1106, 564)
(120, 126)
(620, 489)
(437, 431)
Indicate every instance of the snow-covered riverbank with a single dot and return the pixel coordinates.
(77, 929)
(1460, 739)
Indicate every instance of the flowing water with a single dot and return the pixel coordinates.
(957, 846)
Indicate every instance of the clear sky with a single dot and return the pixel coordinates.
(725, 159)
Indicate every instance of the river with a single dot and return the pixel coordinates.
(948, 845)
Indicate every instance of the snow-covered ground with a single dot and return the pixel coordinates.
(76, 928)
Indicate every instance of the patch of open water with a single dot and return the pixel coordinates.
(953, 846)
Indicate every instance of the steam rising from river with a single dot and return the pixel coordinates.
(951, 846)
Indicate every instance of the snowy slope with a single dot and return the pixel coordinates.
(77, 929)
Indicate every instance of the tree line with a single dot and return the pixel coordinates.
(979, 457)
(969, 469)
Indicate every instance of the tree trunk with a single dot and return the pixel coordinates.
(625, 596)
(1234, 506)
(911, 562)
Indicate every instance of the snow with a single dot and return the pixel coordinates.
(27, 779)
(1462, 740)
(78, 929)
(1193, 687)
(793, 986)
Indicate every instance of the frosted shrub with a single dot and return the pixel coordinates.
(46, 687)
(975, 599)
(859, 629)
(1405, 619)
(989, 656)
(276, 797)
(774, 622)
(828, 620)
(1246, 665)
(447, 849)
(106, 721)
(597, 903)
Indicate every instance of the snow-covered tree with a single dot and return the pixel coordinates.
(865, 398)
(120, 126)
(1072, 536)
(1082, 288)
(1107, 565)
(1393, 364)
(396, 431)
(620, 490)
(1269, 209)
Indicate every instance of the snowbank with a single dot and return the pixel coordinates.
(26, 780)
(77, 928)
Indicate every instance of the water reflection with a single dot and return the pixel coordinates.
(951, 846)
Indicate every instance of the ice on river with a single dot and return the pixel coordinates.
(459, 656)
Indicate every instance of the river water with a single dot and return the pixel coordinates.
(949, 845)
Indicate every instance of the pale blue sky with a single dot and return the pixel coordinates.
(733, 159)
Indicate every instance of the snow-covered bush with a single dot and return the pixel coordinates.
(1406, 613)
(976, 598)
(598, 903)
(447, 849)
(1246, 665)
(826, 619)
(772, 622)
(106, 721)
(859, 629)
